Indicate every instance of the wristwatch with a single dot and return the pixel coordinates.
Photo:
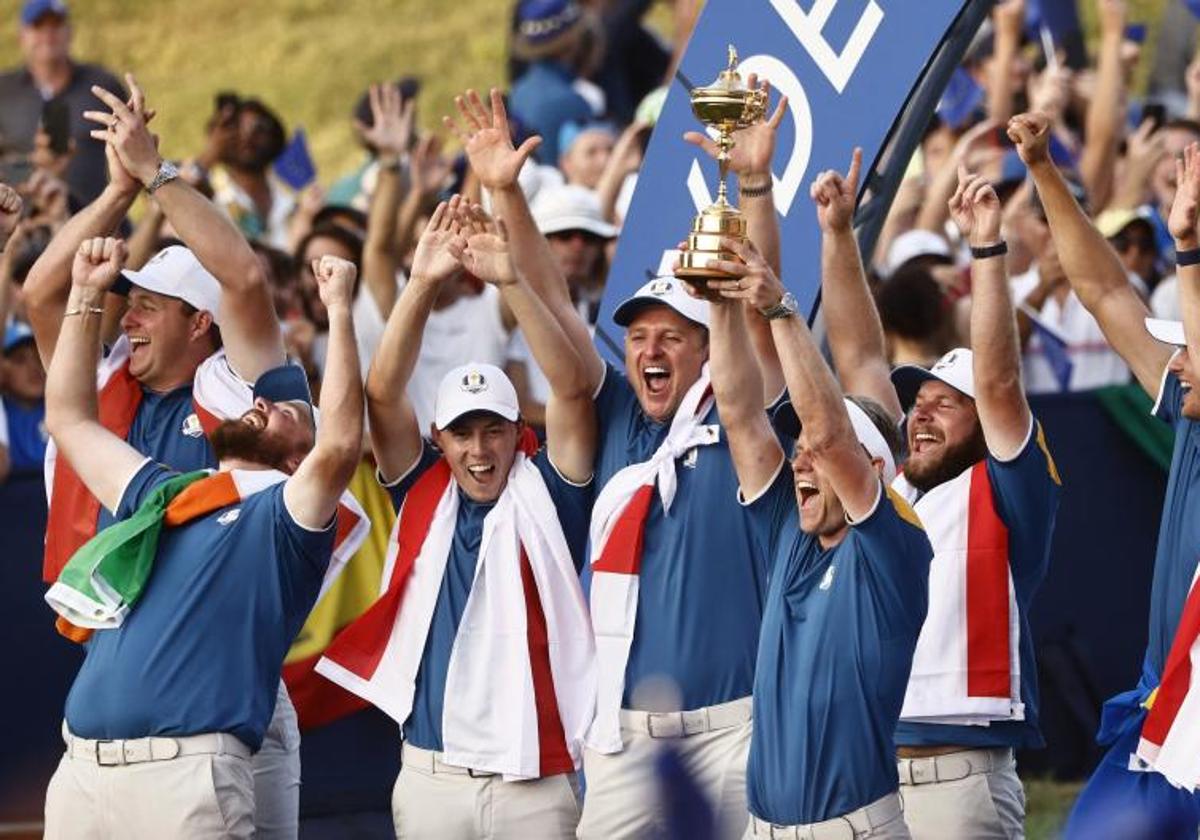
(167, 172)
(786, 308)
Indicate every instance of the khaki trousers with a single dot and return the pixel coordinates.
(276, 768)
(970, 794)
(880, 820)
(201, 797)
(623, 800)
(432, 801)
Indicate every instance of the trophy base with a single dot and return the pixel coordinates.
(704, 244)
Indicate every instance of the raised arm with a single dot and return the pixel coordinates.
(311, 494)
(852, 323)
(1008, 19)
(485, 251)
(102, 460)
(816, 396)
(395, 436)
(249, 326)
(999, 398)
(391, 133)
(485, 135)
(1182, 224)
(1106, 111)
(1092, 267)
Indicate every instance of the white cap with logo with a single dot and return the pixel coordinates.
(955, 369)
(474, 387)
(666, 291)
(174, 271)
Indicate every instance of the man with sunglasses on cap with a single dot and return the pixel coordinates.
(171, 374)
(1145, 785)
(849, 567)
(181, 670)
(480, 647)
(983, 483)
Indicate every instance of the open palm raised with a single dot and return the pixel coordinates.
(488, 140)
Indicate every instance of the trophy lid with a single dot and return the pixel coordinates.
(727, 99)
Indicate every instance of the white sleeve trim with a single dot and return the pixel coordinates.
(565, 480)
(1021, 448)
(871, 512)
(603, 379)
(295, 521)
(746, 502)
(1162, 384)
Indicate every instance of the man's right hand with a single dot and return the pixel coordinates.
(433, 261)
(98, 262)
(488, 140)
(753, 147)
(1186, 208)
(835, 196)
(1031, 134)
(126, 130)
(335, 281)
(10, 213)
(392, 120)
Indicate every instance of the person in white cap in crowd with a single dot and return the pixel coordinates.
(1125, 795)
(480, 647)
(171, 374)
(849, 577)
(180, 676)
(924, 247)
(675, 589)
(986, 489)
(569, 218)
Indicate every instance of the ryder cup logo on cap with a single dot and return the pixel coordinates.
(664, 291)
(955, 369)
(474, 387)
(175, 272)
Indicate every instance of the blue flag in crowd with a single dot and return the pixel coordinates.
(1193, 6)
(962, 97)
(1054, 348)
(295, 166)
(847, 69)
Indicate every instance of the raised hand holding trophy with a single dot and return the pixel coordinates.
(726, 105)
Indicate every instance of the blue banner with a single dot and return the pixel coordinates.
(847, 68)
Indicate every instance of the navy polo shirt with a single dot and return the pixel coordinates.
(203, 649)
(1026, 490)
(27, 435)
(702, 584)
(838, 636)
(423, 728)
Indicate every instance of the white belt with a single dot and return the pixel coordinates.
(846, 827)
(428, 761)
(952, 766)
(693, 722)
(118, 752)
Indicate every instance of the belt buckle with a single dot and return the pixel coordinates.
(674, 731)
(118, 753)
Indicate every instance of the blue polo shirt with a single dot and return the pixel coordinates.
(702, 584)
(1026, 491)
(838, 636)
(203, 649)
(27, 435)
(572, 502)
(166, 430)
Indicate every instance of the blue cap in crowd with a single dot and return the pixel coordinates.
(543, 26)
(18, 333)
(286, 383)
(34, 9)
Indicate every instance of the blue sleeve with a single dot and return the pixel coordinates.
(614, 397)
(767, 512)
(399, 488)
(1026, 491)
(893, 544)
(302, 555)
(573, 503)
(1169, 407)
(144, 481)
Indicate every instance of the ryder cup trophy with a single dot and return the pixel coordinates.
(726, 106)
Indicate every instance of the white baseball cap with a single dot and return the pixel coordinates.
(912, 244)
(570, 207)
(787, 422)
(175, 272)
(474, 387)
(666, 291)
(955, 369)
(1167, 331)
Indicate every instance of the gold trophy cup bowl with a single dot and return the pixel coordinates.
(726, 106)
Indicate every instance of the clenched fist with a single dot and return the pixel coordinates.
(98, 262)
(335, 280)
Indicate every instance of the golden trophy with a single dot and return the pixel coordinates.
(726, 105)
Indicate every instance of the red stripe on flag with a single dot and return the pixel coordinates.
(552, 742)
(1177, 673)
(988, 666)
(623, 551)
(317, 700)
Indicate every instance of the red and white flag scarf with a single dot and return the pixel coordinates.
(217, 394)
(521, 679)
(1170, 741)
(617, 536)
(966, 668)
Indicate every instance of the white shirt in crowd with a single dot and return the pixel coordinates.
(1164, 303)
(1094, 363)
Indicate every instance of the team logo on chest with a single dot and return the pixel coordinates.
(191, 427)
(692, 456)
(229, 516)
